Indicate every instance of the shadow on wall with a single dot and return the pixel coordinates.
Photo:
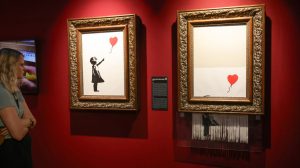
(156, 5)
(125, 124)
(36, 18)
(268, 54)
(294, 7)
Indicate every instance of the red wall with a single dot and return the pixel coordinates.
(65, 138)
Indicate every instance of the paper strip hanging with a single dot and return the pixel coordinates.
(220, 127)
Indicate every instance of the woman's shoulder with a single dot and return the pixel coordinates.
(5, 97)
(2, 88)
(3, 91)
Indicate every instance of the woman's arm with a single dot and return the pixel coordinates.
(28, 115)
(16, 126)
(4, 131)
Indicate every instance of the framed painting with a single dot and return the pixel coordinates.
(221, 60)
(29, 84)
(103, 64)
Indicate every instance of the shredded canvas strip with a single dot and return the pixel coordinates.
(220, 127)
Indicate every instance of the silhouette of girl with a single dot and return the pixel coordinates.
(96, 77)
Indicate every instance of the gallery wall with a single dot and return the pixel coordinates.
(144, 139)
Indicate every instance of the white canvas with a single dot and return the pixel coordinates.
(219, 55)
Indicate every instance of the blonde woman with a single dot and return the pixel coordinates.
(16, 120)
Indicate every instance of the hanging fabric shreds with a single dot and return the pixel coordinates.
(220, 127)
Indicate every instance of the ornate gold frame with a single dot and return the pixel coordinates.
(254, 19)
(122, 23)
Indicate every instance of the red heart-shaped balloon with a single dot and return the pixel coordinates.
(113, 41)
(232, 78)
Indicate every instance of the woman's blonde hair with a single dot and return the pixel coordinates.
(8, 68)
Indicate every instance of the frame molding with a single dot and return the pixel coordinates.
(124, 23)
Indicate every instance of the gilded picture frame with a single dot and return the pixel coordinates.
(221, 60)
(103, 63)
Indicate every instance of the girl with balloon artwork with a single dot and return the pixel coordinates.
(103, 63)
(96, 77)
